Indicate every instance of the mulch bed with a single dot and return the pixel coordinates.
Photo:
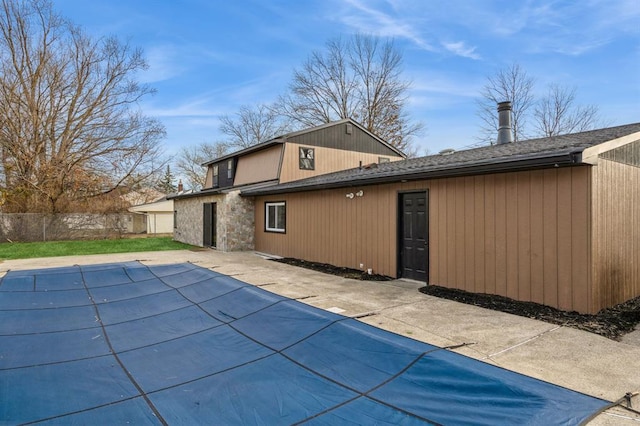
(612, 322)
(333, 270)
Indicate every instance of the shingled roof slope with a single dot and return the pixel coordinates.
(560, 150)
(279, 140)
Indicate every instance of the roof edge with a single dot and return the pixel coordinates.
(590, 155)
(283, 138)
(564, 159)
(253, 148)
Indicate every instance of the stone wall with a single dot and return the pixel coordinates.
(235, 224)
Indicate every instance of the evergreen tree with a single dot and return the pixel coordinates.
(166, 184)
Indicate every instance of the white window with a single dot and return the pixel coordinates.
(275, 216)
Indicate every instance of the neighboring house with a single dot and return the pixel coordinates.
(217, 216)
(554, 221)
(142, 196)
(158, 214)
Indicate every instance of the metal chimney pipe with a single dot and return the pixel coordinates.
(505, 134)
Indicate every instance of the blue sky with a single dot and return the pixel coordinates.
(209, 57)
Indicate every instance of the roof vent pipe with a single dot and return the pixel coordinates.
(505, 134)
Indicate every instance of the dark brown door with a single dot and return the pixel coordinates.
(209, 225)
(414, 236)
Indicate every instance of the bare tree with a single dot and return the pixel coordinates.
(508, 84)
(557, 113)
(69, 126)
(250, 126)
(360, 79)
(190, 159)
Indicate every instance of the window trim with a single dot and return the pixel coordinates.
(215, 179)
(275, 204)
(230, 168)
(303, 152)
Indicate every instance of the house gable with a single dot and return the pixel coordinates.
(337, 146)
(626, 154)
(344, 135)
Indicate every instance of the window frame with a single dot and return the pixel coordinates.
(276, 205)
(215, 178)
(230, 168)
(303, 158)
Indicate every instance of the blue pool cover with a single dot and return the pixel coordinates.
(180, 344)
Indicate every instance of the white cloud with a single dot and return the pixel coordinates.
(461, 49)
(164, 63)
(569, 28)
(366, 19)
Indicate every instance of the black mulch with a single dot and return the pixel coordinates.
(612, 323)
(333, 270)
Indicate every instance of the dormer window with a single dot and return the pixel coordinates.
(215, 176)
(307, 159)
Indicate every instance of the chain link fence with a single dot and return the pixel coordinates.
(27, 227)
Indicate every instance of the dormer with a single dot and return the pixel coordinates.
(298, 155)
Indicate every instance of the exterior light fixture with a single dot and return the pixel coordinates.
(360, 193)
(350, 195)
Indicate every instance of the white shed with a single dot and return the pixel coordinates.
(159, 216)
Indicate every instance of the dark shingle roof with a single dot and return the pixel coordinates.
(561, 150)
(282, 139)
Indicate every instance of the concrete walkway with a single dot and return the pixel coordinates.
(565, 356)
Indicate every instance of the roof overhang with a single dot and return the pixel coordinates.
(251, 149)
(515, 163)
(590, 155)
(221, 191)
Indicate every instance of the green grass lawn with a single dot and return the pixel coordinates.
(69, 248)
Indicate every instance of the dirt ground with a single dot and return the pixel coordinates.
(612, 323)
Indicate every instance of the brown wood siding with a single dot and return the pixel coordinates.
(523, 235)
(208, 183)
(616, 232)
(258, 166)
(327, 160)
(336, 137)
(328, 227)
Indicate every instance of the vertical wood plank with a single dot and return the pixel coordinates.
(501, 234)
(479, 230)
(434, 207)
(524, 235)
(512, 235)
(490, 234)
(537, 236)
(550, 237)
(565, 224)
(451, 235)
(460, 252)
(468, 242)
(580, 209)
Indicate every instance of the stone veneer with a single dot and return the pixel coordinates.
(235, 224)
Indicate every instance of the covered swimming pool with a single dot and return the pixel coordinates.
(180, 344)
